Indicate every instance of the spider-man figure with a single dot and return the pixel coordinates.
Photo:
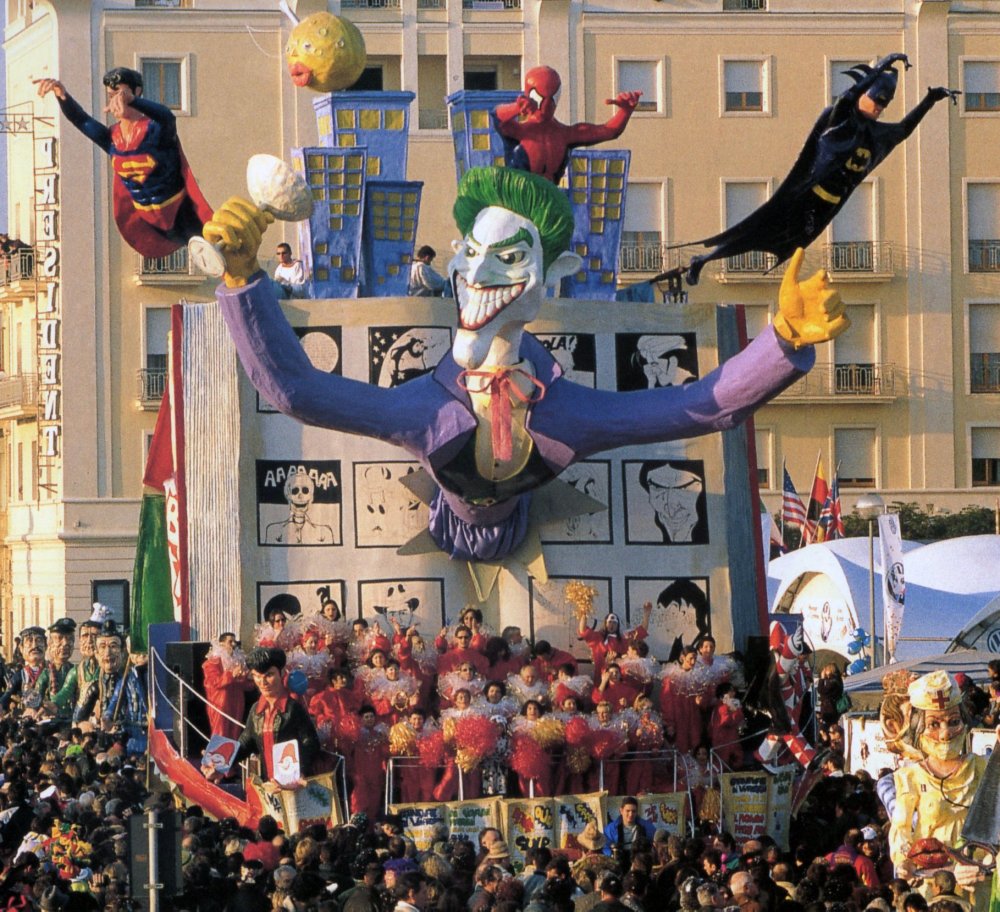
(543, 143)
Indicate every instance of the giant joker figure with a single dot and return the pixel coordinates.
(496, 420)
(157, 203)
(541, 143)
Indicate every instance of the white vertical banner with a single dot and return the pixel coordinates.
(893, 583)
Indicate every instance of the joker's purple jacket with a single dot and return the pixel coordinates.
(431, 417)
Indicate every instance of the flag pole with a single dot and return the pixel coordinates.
(784, 473)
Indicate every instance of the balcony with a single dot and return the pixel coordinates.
(172, 269)
(491, 4)
(871, 383)
(984, 372)
(749, 267)
(432, 119)
(19, 396)
(744, 6)
(431, 4)
(862, 259)
(370, 4)
(163, 4)
(646, 258)
(151, 386)
(984, 256)
(18, 267)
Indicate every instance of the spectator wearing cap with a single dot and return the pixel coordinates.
(85, 673)
(62, 639)
(274, 718)
(24, 683)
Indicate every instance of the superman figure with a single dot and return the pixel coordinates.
(158, 206)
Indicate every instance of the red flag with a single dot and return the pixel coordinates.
(160, 459)
(813, 531)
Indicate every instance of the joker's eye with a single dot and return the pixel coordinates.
(511, 257)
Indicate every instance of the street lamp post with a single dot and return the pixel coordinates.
(870, 507)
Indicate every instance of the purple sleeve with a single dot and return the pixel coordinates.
(591, 421)
(282, 373)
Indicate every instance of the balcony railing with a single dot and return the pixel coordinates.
(859, 256)
(643, 258)
(744, 5)
(19, 392)
(754, 262)
(984, 256)
(491, 4)
(164, 4)
(152, 385)
(370, 4)
(842, 381)
(175, 263)
(18, 266)
(431, 4)
(433, 120)
(984, 372)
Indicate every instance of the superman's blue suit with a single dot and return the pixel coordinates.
(431, 417)
(157, 202)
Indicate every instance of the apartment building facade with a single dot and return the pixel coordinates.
(907, 403)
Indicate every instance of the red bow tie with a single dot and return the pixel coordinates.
(501, 387)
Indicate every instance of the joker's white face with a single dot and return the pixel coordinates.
(498, 279)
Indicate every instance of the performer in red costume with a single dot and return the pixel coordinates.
(543, 143)
(610, 642)
(227, 681)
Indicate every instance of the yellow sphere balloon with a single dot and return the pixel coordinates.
(325, 53)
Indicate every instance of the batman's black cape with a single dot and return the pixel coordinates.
(825, 174)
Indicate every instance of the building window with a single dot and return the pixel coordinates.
(981, 85)
(742, 198)
(164, 80)
(853, 233)
(855, 367)
(762, 439)
(370, 80)
(837, 79)
(642, 237)
(644, 76)
(153, 377)
(481, 80)
(984, 348)
(432, 82)
(983, 202)
(744, 86)
(985, 457)
(855, 456)
(20, 471)
(114, 594)
(758, 317)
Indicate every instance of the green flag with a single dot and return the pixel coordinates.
(152, 602)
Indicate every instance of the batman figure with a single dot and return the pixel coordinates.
(846, 144)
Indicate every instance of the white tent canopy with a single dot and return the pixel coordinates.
(948, 586)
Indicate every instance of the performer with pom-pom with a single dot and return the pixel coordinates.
(535, 737)
(611, 641)
(608, 742)
(412, 738)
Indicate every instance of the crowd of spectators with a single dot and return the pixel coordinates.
(70, 785)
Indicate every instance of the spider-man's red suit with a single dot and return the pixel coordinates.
(543, 143)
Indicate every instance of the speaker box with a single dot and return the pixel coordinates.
(185, 661)
(168, 858)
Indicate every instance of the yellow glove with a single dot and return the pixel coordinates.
(811, 311)
(236, 229)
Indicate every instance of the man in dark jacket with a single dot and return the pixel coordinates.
(275, 717)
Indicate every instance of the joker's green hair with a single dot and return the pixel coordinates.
(529, 195)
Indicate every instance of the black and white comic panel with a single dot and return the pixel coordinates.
(406, 601)
(386, 514)
(306, 597)
(576, 354)
(681, 610)
(400, 353)
(592, 478)
(322, 345)
(299, 503)
(553, 615)
(665, 502)
(653, 360)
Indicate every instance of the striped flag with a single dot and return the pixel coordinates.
(831, 520)
(813, 531)
(793, 511)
